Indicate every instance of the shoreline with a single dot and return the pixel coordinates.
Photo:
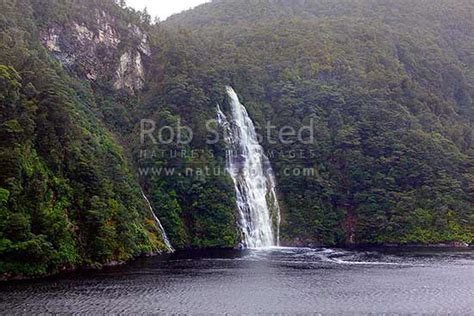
(355, 246)
(358, 247)
(77, 269)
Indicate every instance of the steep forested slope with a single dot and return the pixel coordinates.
(390, 87)
(387, 87)
(68, 196)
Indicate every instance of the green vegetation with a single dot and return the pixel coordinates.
(388, 85)
(67, 194)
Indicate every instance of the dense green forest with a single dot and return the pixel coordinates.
(389, 86)
(68, 195)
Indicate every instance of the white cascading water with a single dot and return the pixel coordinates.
(253, 177)
(163, 233)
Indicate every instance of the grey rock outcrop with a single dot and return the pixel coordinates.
(97, 52)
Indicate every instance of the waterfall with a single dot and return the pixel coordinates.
(163, 233)
(253, 178)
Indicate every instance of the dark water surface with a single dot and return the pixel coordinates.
(280, 280)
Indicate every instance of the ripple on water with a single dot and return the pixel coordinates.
(277, 280)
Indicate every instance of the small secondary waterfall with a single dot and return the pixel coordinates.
(253, 177)
(163, 233)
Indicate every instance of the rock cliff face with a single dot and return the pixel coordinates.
(96, 51)
(130, 74)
